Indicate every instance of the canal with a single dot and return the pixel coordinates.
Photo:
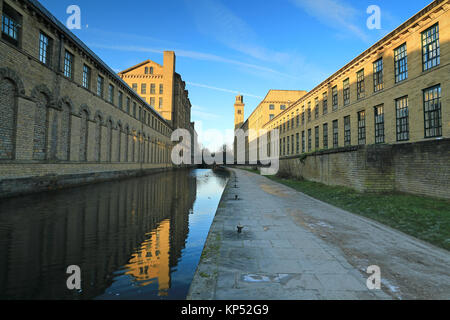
(140, 238)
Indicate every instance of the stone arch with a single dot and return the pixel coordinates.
(85, 108)
(66, 100)
(99, 117)
(42, 89)
(7, 73)
(43, 98)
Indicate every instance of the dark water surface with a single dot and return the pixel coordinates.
(133, 239)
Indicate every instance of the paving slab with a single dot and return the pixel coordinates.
(296, 247)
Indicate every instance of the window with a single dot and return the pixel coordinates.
(143, 88)
(86, 81)
(271, 107)
(401, 63)
(303, 115)
(120, 100)
(284, 146)
(347, 131)
(152, 102)
(316, 109)
(378, 75)
(303, 141)
(161, 89)
(134, 109)
(335, 134)
(128, 105)
(134, 87)
(152, 88)
(68, 65)
(325, 135)
(346, 92)
(11, 22)
(362, 127)
(288, 123)
(239, 112)
(309, 140)
(44, 48)
(100, 86)
(335, 98)
(325, 103)
(297, 143)
(360, 87)
(161, 103)
(432, 112)
(282, 107)
(292, 121)
(379, 124)
(146, 70)
(111, 93)
(298, 119)
(401, 109)
(309, 111)
(316, 137)
(271, 116)
(431, 53)
(151, 70)
(287, 149)
(292, 144)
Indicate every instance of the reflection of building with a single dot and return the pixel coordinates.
(96, 227)
(151, 262)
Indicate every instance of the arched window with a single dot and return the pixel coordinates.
(146, 70)
(151, 70)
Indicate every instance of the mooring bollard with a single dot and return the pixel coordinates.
(239, 228)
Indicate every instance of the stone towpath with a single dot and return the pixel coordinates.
(295, 247)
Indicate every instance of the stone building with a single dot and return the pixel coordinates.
(274, 103)
(394, 93)
(66, 117)
(162, 88)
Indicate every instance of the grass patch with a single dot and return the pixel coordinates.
(422, 217)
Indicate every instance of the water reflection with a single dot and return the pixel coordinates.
(133, 239)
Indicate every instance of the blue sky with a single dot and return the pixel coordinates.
(236, 46)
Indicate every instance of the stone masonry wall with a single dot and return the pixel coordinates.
(421, 168)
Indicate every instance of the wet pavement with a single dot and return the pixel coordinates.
(295, 247)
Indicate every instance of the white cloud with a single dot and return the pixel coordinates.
(222, 89)
(334, 13)
(192, 55)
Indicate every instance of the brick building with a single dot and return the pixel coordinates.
(64, 112)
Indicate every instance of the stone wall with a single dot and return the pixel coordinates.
(419, 168)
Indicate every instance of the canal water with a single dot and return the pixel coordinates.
(140, 238)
